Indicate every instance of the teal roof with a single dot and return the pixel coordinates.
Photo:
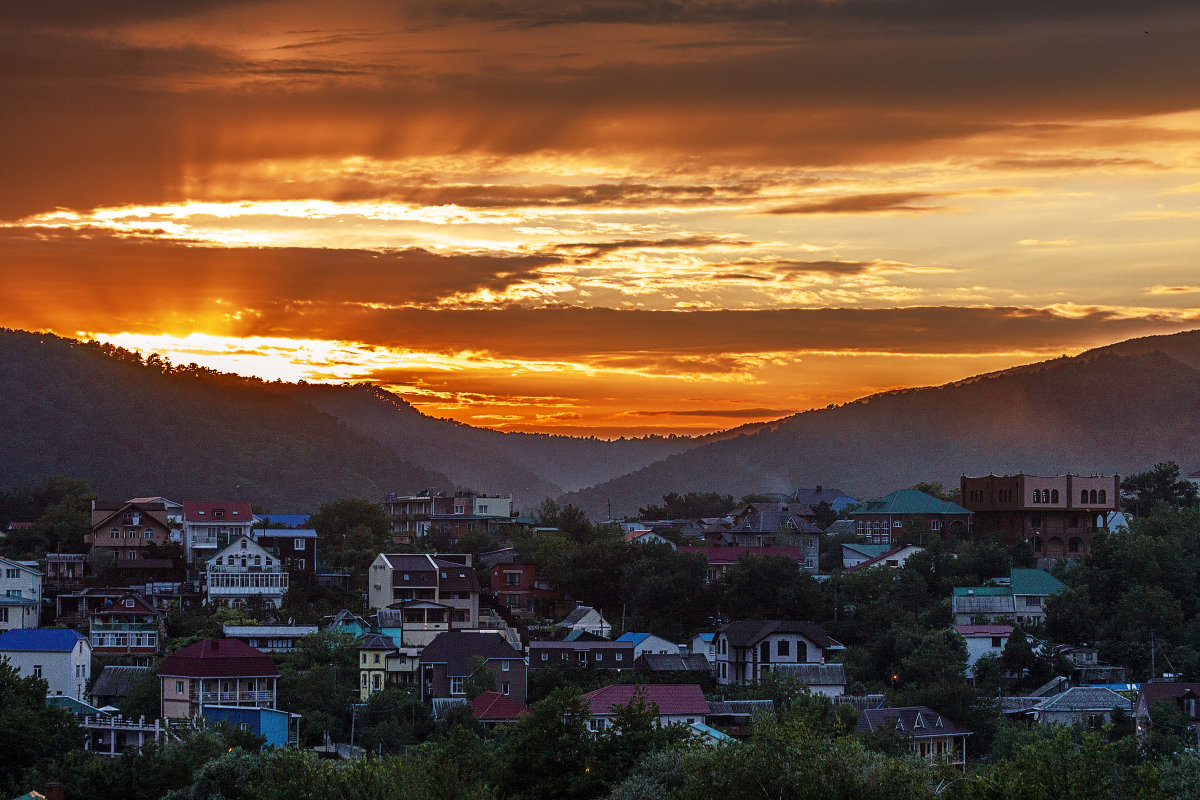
(909, 501)
(1035, 581)
(71, 704)
(982, 591)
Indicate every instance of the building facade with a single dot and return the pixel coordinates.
(20, 594)
(59, 656)
(128, 625)
(746, 650)
(216, 672)
(449, 581)
(129, 529)
(244, 570)
(1057, 515)
(882, 520)
(210, 526)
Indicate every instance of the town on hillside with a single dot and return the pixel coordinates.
(964, 636)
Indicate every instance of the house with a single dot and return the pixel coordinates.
(582, 652)
(828, 680)
(838, 500)
(296, 549)
(449, 661)
(748, 649)
(64, 570)
(646, 537)
(721, 558)
(211, 526)
(856, 553)
(1021, 598)
(586, 618)
(269, 638)
(59, 656)
(129, 529)
(648, 643)
(933, 737)
(20, 594)
(383, 663)
(892, 558)
(114, 683)
(678, 704)
(1184, 696)
(1080, 706)
(127, 624)
(449, 582)
(983, 640)
(518, 589)
(881, 520)
(409, 514)
(1058, 515)
(242, 570)
(705, 644)
(278, 728)
(496, 708)
(216, 672)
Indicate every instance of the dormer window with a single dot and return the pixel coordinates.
(218, 514)
(129, 603)
(243, 544)
(919, 722)
(938, 723)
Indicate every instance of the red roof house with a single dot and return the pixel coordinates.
(677, 703)
(216, 672)
(492, 708)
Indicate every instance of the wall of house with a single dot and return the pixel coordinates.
(17, 580)
(66, 673)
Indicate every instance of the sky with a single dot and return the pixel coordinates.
(602, 217)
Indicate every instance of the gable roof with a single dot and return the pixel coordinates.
(1151, 693)
(496, 707)
(156, 510)
(28, 566)
(252, 548)
(818, 494)
(671, 698)
(867, 550)
(635, 638)
(748, 633)
(219, 658)
(882, 558)
(206, 511)
(577, 616)
(457, 649)
(115, 680)
(909, 501)
(1085, 698)
(814, 674)
(40, 640)
(917, 722)
(1035, 582)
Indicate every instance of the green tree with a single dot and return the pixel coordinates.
(31, 732)
(549, 753)
(351, 532)
(1161, 484)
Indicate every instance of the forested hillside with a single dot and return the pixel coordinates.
(1097, 413)
(137, 429)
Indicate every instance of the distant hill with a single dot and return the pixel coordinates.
(1114, 409)
(71, 409)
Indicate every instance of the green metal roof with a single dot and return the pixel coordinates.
(909, 501)
(868, 550)
(1035, 581)
(981, 591)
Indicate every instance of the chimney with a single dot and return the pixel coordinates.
(55, 790)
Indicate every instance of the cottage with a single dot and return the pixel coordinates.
(1080, 706)
(216, 672)
(891, 558)
(678, 704)
(881, 520)
(402, 581)
(269, 638)
(20, 594)
(983, 640)
(648, 643)
(114, 683)
(243, 570)
(383, 663)
(210, 526)
(748, 649)
(587, 619)
(932, 736)
(496, 708)
(128, 624)
(1185, 697)
(451, 659)
(59, 656)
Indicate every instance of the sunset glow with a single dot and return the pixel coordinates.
(603, 217)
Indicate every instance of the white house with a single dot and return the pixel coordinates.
(705, 644)
(748, 649)
(242, 570)
(209, 526)
(588, 620)
(983, 640)
(60, 656)
(678, 704)
(649, 643)
(20, 594)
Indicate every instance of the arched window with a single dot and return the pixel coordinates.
(1037, 495)
(1054, 496)
(1103, 496)
(1093, 496)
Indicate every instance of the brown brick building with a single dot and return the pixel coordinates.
(1058, 515)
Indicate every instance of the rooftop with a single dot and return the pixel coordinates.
(219, 658)
(40, 640)
(909, 501)
(671, 698)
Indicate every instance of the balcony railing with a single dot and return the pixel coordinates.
(105, 627)
(231, 697)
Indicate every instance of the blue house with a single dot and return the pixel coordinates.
(279, 728)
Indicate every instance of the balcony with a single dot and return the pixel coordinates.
(105, 627)
(217, 698)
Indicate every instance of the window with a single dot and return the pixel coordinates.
(376, 681)
(3, 614)
(300, 564)
(37, 670)
(178, 687)
(129, 602)
(364, 680)
(456, 686)
(512, 579)
(724, 670)
(12, 573)
(782, 648)
(1083, 496)
(1103, 496)
(599, 657)
(545, 656)
(897, 524)
(376, 658)
(298, 544)
(617, 656)
(597, 724)
(504, 665)
(505, 687)
(1054, 495)
(997, 642)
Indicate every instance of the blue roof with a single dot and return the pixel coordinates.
(40, 639)
(708, 637)
(635, 638)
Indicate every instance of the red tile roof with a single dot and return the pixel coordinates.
(202, 511)
(219, 658)
(671, 698)
(496, 707)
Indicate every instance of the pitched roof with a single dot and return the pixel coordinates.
(769, 520)
(668, 662)
(818, 494)
(239, 631)
(884, 556)
(671, 698)
(40, 640)
(1085, 698)
(1153, 692)
(909, 501)
(868, 550)
(376, 641)
(206, 511)
(576, 645)
(115, 680)
(457, 649)
(1035, 582)
(987, 604)
(219, 658)
(28, 566)
(496, 707)
(840, 526)
(577, 615)
(814, 674)
(915, 721)
(748, 633)
(634, 638)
